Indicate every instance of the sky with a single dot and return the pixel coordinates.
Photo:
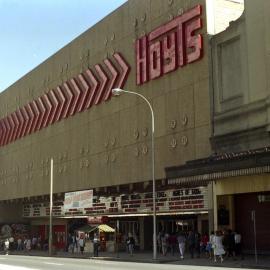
(32, 30)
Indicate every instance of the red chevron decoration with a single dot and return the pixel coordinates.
(76, 95)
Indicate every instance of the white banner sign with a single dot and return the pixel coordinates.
(78, 199)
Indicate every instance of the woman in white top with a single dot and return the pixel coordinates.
(218, 246)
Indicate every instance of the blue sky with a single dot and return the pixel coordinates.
(32, 30)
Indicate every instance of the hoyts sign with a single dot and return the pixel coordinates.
(169, 46)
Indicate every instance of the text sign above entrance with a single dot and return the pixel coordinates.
(169, 46)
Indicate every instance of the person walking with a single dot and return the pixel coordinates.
(130, 244)
(19, 244)
(210, 245)
(81, 243)
(96, 244)
(191, 243)
(164, 243)
(181, 239)
(172, 243)
(218, 247)
(238, 244)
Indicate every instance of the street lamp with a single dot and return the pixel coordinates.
(51, 206)
(117, 92)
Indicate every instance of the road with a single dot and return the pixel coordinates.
(13, 262)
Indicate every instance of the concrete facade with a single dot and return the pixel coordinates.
(109, 144)
(240, 57)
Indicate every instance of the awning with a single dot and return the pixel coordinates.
(105, 228)
(86, 228)
(102, 227)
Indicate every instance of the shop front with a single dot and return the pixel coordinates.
(243, 205)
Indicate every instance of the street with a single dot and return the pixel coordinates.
(15, 262)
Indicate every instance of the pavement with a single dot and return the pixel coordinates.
(263, 262)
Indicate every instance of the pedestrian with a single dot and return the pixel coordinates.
(204, 242)
(34, 242)
(191, 243)
(19, 244)
(172, 243)
(159, 246)
(69, 243)
(238, 244)
(82, 243)
(218, 246)
(96, 244)
(6, 246)
(11, 243)
(28, 244)
(130, 243)
(181, 239)
(77, 239)
(164, 243)
(231, 244)
(198, 242)
(211, 245)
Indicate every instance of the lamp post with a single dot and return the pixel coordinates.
(51, 205)
(117, 92)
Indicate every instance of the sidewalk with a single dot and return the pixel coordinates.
(147, 257)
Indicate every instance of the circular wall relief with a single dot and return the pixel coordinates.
(173, 124)
(184, 120)
(81, 164)
(180, 11)
(145, 132)
(143, 18)
(113, 157)
(135, 22)
(173, 143)
(136, 134)
(144, 149)
(136, 152)
(113, 141)
(184, 140)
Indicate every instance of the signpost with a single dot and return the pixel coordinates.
(253, 218)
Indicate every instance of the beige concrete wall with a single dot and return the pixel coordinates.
(242, 184)
(103, 137)
(241, 80)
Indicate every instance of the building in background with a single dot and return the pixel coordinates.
(239, 165)
(221, 12)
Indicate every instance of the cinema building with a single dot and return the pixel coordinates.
(101, 145)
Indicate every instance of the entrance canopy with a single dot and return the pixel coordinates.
(102, 228)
